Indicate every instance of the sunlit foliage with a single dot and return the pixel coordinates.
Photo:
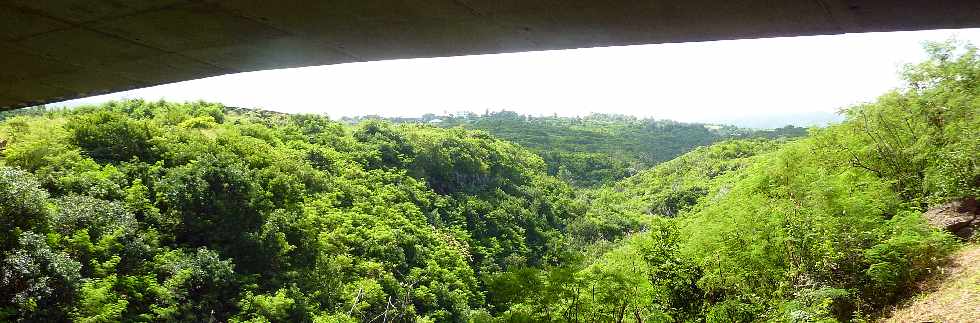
(141, 211)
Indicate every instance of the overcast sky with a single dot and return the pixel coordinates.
(706, 81)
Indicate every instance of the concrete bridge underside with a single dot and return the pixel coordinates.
(55, 50)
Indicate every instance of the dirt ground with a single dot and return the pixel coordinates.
(951, 296)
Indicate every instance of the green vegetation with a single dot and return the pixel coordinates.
(599, 148)
(153, 211)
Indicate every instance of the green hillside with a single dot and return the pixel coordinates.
(140, 211)
(824, 228)
(599, 148)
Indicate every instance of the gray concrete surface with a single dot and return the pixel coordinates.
(55, 50)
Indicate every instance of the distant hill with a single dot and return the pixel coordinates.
(599, 148)
(665, 190)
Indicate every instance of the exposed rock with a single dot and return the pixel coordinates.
(958, 217)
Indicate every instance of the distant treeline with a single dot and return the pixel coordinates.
(599, 148)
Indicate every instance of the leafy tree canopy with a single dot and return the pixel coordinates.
(142, 211)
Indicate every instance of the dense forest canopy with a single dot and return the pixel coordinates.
(156, 211)
(599, 148)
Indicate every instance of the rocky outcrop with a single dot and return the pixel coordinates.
(961, 218)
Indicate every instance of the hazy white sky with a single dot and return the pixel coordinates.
(707, 81)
